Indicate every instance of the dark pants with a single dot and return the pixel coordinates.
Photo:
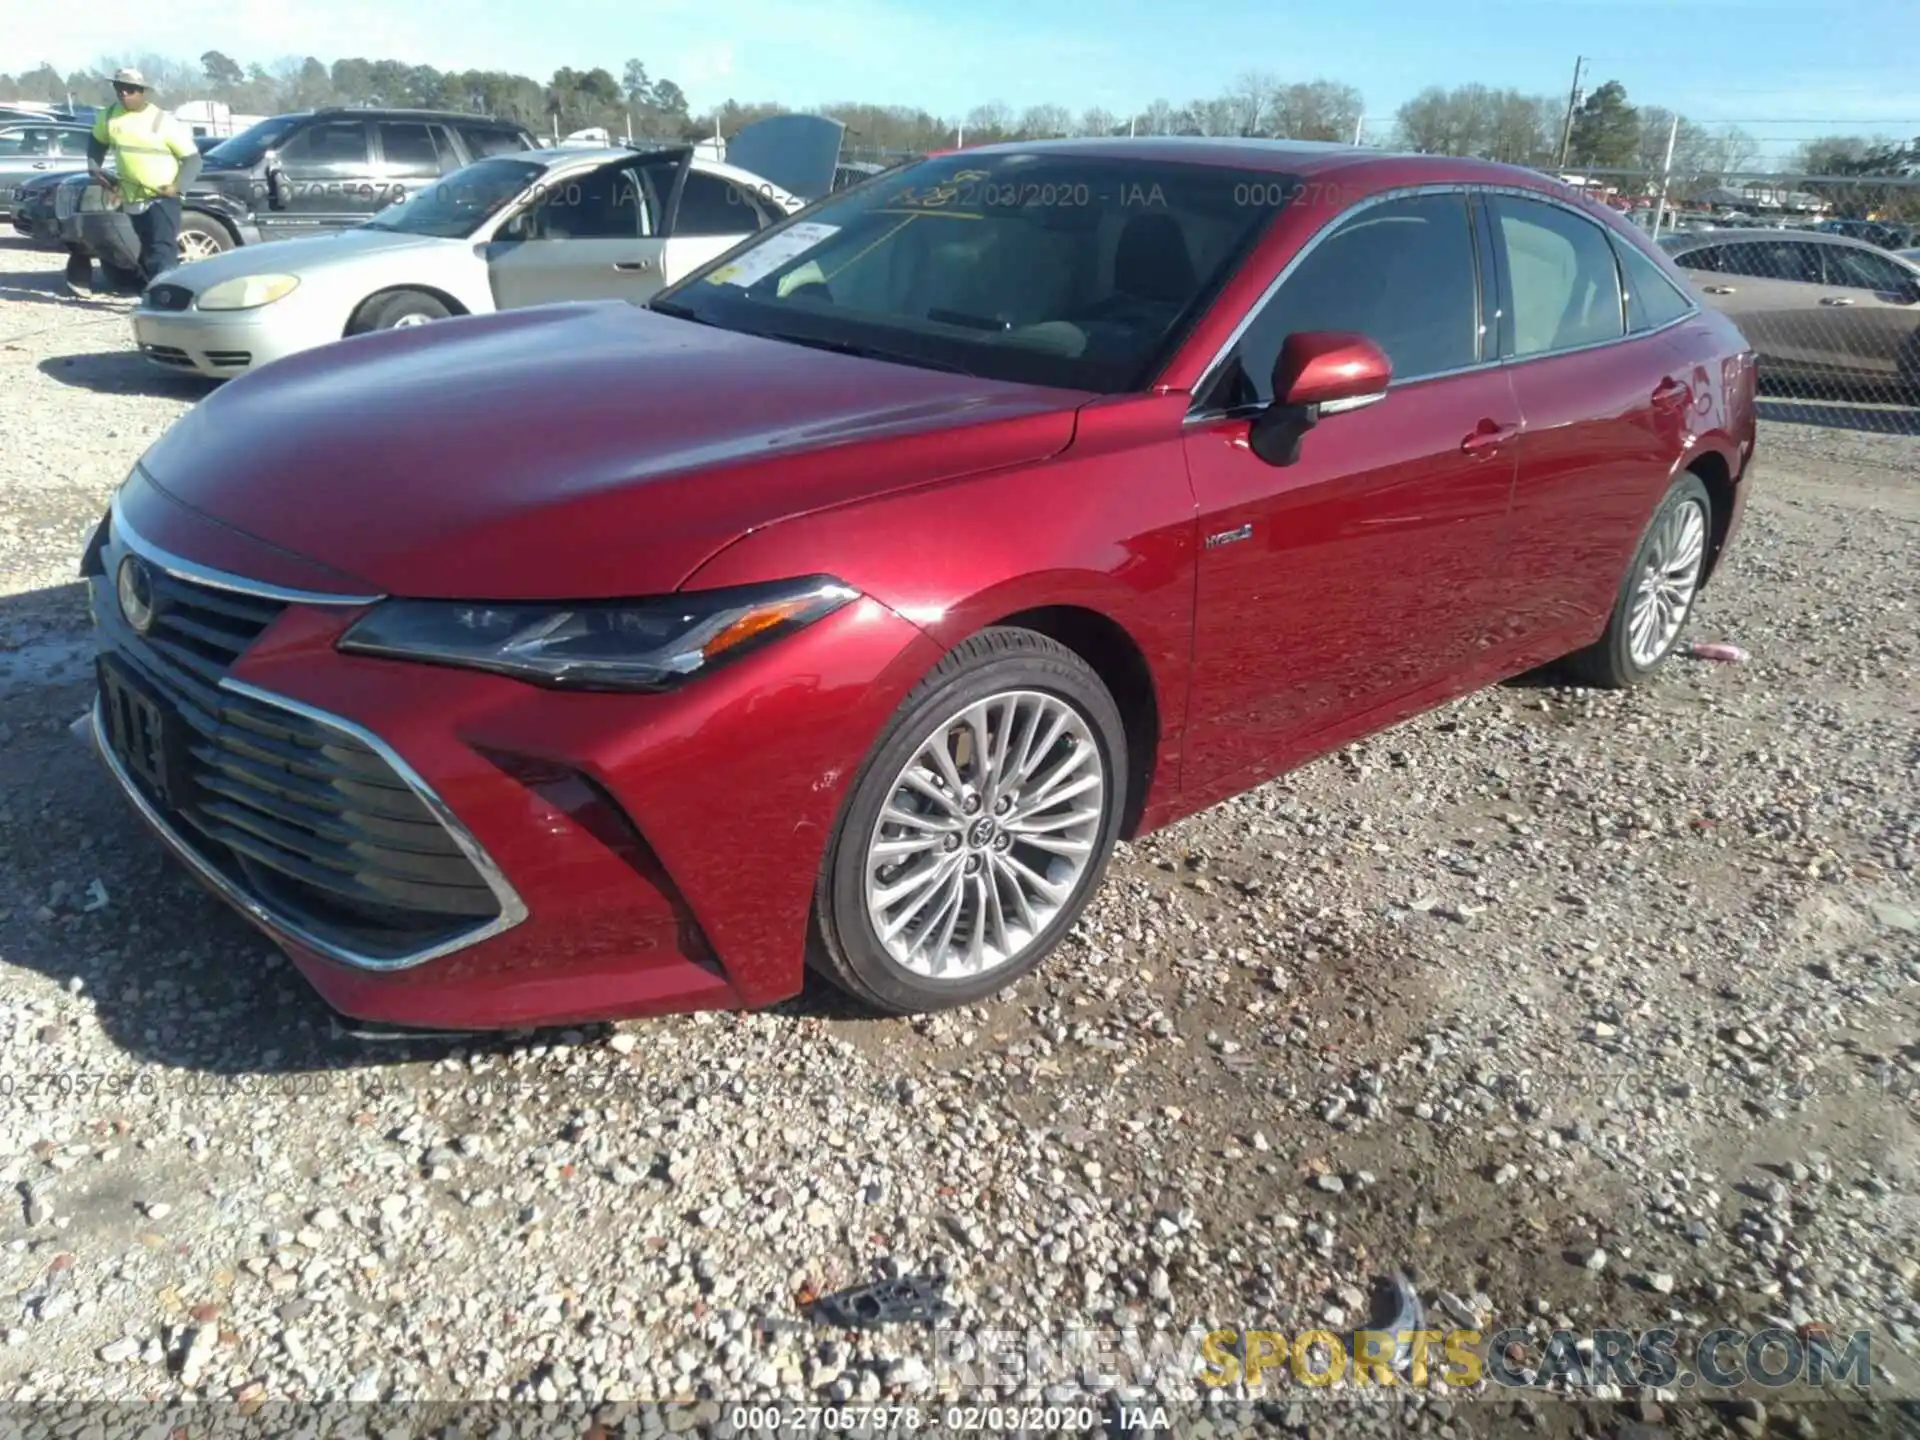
(158, 227)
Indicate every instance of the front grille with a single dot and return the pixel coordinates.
(168, 355)
(230, 359)
(168, 297)
(304, 817)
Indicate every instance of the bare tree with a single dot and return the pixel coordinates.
(991, 121)
(1159, 118)
(1251, 94)
(1045, 122)
(1314, 110)
(1098, 121)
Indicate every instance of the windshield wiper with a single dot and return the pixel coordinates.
(868, 352)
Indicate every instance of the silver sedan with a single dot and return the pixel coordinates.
(514, 230)
(1815, 306)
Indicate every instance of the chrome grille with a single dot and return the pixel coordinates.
(305, 818)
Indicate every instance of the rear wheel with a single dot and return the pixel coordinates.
(977, 830)
(1657, 595)
(398, 310)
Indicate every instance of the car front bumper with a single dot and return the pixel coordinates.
(645, 854)
(223, 343)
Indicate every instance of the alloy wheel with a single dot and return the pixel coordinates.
(406, 322)
(196, 245)
(987, 834)
(1667, 583)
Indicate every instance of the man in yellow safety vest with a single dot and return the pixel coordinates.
(156, 160)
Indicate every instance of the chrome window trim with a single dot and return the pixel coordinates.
(199, 574)
(1469, 188)
(513, 910)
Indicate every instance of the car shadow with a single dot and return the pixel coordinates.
(1878, 419)
(91, 900)
(124, 372)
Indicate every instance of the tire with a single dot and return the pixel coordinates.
(400, 308)
(1680, 531)
(202, 236)
(1023, 684)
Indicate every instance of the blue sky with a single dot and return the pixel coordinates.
(1814, 66)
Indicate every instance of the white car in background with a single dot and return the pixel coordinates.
(530, 228)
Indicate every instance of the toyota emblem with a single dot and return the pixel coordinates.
(134, 585)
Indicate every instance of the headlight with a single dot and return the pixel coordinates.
(601, 644)
(245, 292)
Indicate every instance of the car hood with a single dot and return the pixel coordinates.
(572, 451)
(303, 255)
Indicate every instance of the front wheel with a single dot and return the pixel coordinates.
(201, 238)
(1657, 595)
(977, 830)
(399, 310)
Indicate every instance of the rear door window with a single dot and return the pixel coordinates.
(1401, 273)
(328, 147)
(1562, 280)
(1652, 299)
(407, 148)
(710, 205)
(1773, 260)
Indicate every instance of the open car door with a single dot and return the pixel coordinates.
(597, 235)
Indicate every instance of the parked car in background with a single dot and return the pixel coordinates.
(314, 171)
(33, 148)
(845, 604)
(526, 229)
(1815, 305)
(31, 204)
(1885, 234)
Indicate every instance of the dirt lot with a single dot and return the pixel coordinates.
(1587, 1011)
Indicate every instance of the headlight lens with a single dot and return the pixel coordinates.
(247, 292)
(601, 644)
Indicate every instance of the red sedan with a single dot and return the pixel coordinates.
(844, 606)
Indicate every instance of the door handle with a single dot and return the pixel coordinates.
(633, 264)
(1670, 394)
(1719, 289)
(1488, 438)
(1836, 300)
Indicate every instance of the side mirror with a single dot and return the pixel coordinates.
(1317, 373)
(276, 182)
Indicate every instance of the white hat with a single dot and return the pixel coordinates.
(127, 75)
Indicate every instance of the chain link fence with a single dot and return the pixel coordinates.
(1820, 272)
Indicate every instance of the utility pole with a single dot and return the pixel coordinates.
(1573, 99)
(1359, 127)
(1666, 178)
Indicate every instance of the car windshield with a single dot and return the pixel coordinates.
(1045, 267)
(250, 144)
(454, 205)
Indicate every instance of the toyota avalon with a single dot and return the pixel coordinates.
(846, 603)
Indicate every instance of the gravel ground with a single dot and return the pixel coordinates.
(1583, 1010)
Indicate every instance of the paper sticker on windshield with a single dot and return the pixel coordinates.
(770, 254)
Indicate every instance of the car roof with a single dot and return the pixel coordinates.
(591, 156)
(1282, 157)
(1693, 239)
(374, 112)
